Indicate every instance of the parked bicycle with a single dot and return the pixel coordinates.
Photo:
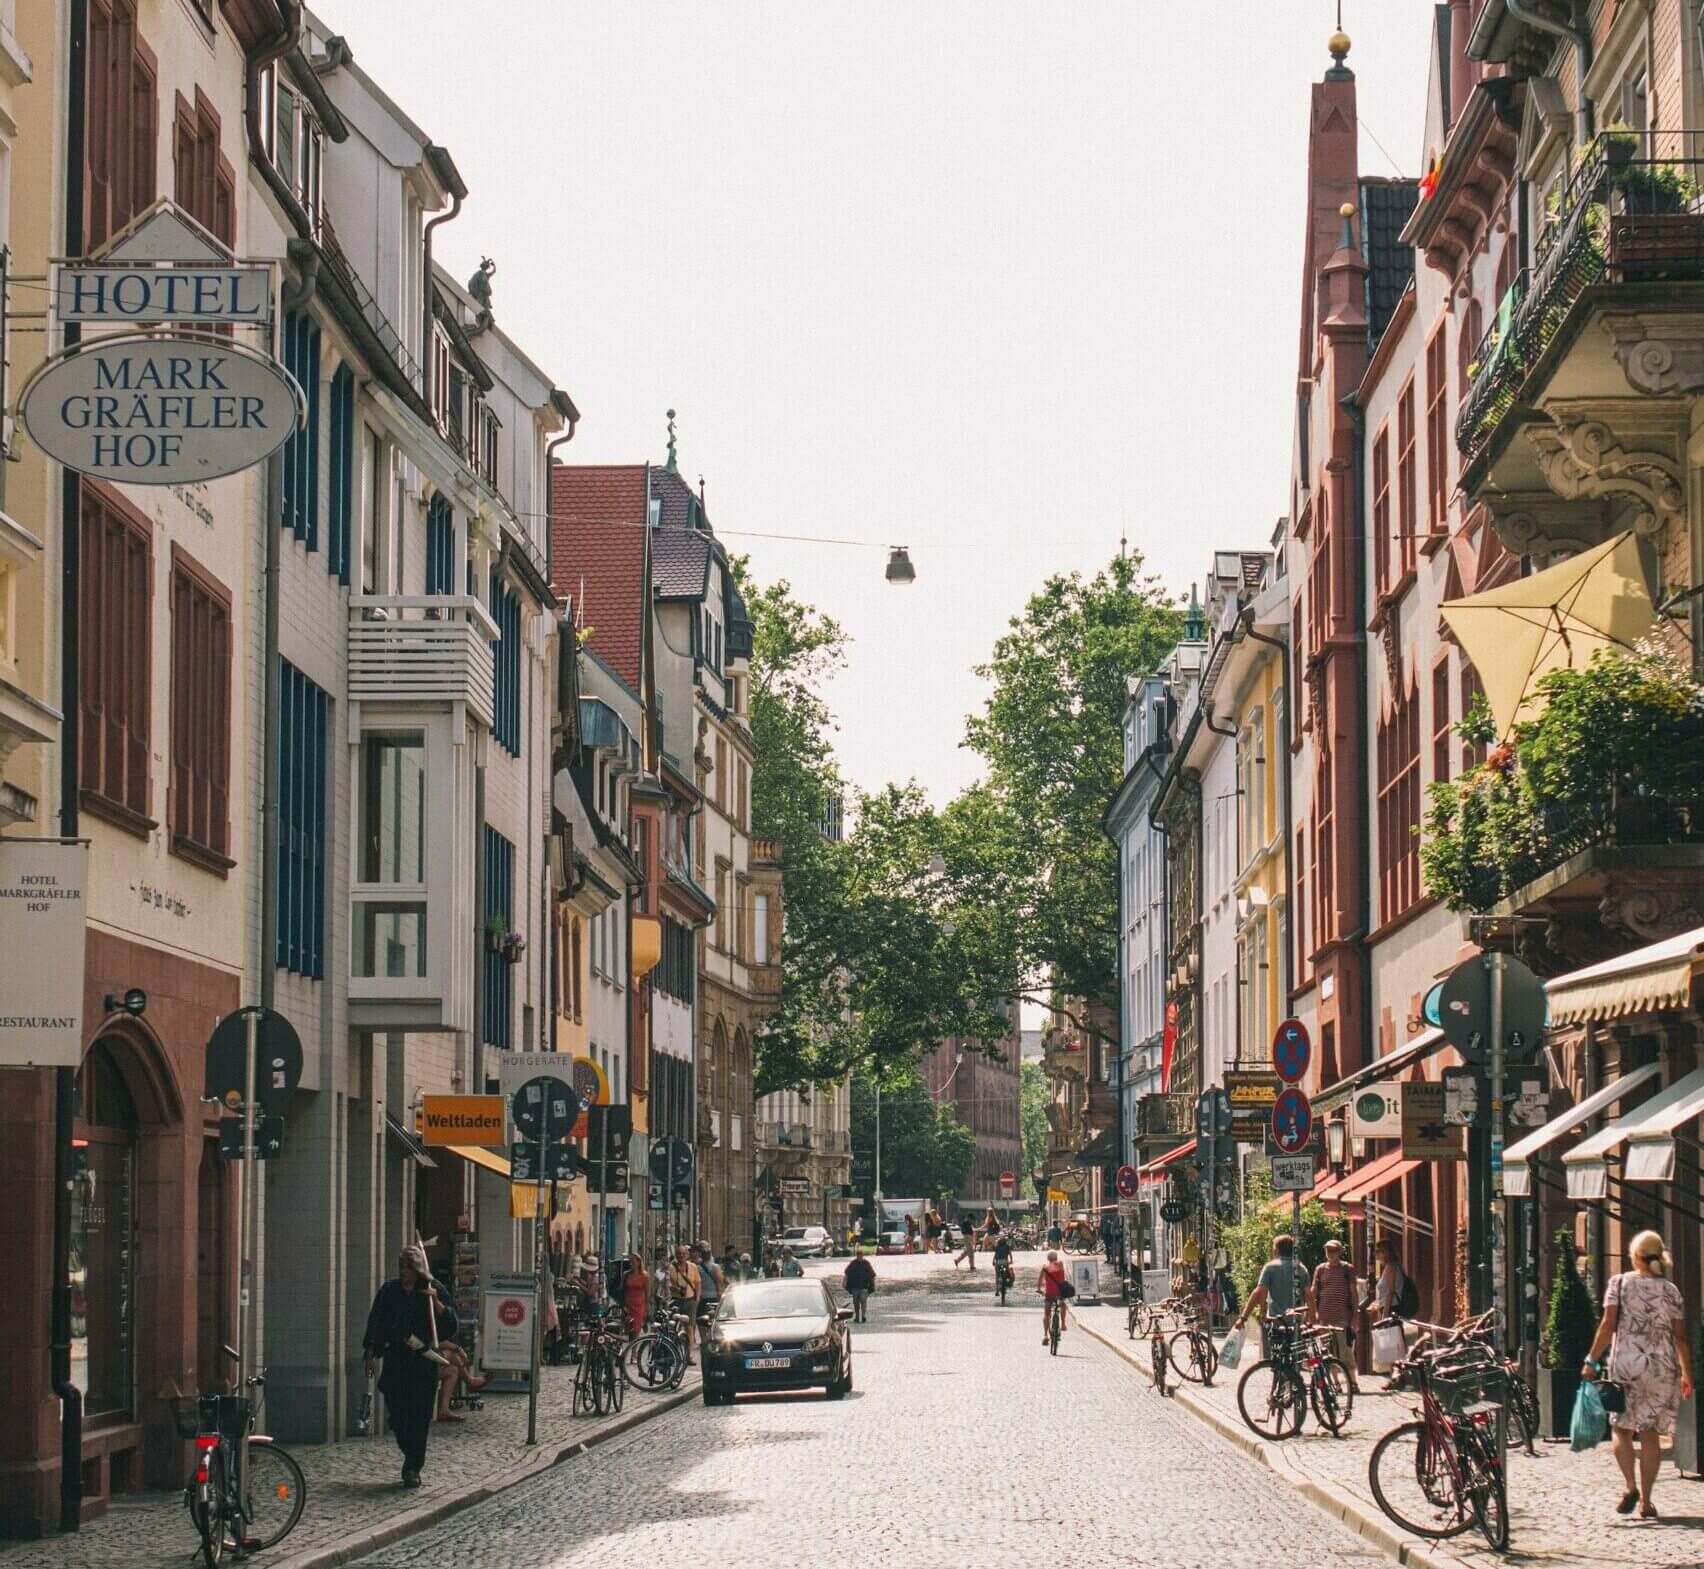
(1443, 1474)
(658, 1359)
(231, 1516)
(1522, 1402)
(598, 1382)
(1191, 1347)
(1297, 1372)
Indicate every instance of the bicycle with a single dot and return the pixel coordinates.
(1522, 1402)
(1298, 1374)
(1198, 1359)
(265, 1508)
(598, 1382)
(1055, 1322)
(1443, 1474)
(1005, 1277)
(657, 1360)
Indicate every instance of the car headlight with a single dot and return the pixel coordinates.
(819, 1343)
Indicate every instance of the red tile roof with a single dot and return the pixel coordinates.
(597, 555)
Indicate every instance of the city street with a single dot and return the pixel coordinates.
(963, 1441)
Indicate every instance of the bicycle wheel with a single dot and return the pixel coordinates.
(1272, 1400)
(1418, 1484)
(1523, 1412)
(615, 1386)
(1053, 1333)
(644, 1362)
(275, 1494)
(1193, 1356)
(1330, 1395)
(207, 1508)
(1483, 1478)
(585, 1388)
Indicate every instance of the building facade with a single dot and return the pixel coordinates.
(980, 1081)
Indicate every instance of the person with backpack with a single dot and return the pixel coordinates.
(1282, 1286)
(1392, 1293)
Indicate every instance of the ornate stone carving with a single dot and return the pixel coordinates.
(1601, 448)
(1661, 358)
(1651, 912)
(1535, 523)
(1390, 632)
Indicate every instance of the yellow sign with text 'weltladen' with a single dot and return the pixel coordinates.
(462, 1119)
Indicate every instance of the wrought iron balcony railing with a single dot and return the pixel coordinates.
(1633, 212)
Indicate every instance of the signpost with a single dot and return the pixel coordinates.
(1009, 1184)
(1292, 1055)
(1127, 1182)
(1292, 1173)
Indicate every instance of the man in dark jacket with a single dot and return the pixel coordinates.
(406, 1320)
(860, 1280)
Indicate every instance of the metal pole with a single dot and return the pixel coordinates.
(1499, 1319)
(246, 1299)
(538, 1275)
(598, 1203)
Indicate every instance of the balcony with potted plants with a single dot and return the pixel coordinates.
(1581, 836)
(1575, 418)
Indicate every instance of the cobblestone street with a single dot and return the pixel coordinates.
(963, 1442)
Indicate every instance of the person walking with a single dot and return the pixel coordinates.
(1644, 1331)
(635, 1293)
(791, 1268)
(969, 1248)
(402, 1329)
(1331, 1302)
(685, 1287)
(910, 1233)
(1282, 1286)
(860, 1281)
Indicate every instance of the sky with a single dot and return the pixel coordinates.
(997, 282)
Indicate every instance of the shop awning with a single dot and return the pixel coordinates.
(1399, 1061)
(489, 1159)
(1517, 1168)
(1369, 1179)
(1166, 1159)
(408, 1141)
(1644, 981)
(1653, 1123)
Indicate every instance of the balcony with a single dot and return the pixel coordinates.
(765, 980)
(1165, 1117)
(785, 1135)
(423, 651)
(1571, 427)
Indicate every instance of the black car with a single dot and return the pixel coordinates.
(777, 1334)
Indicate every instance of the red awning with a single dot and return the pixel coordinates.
(1369, 1179)
(1153, 1166)
(1325, 1190)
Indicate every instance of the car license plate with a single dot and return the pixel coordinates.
(767, 1362)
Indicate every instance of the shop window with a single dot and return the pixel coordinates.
(116, 583)
(199, 802)
(103, 1240)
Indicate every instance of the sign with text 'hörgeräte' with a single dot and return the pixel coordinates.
(462, 1119)
(514, 1068)
(153, 409)
(41, 937)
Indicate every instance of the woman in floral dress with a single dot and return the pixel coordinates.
(1644, 1329)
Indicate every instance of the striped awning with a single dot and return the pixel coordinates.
(1647, 1129)
(1645, 981)
(1517, 1158)
(1153, 1168)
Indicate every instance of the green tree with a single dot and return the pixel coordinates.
(1248, 1241)
(926, 1151)
(1033, 1090)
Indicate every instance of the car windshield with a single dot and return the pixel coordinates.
(774, 1299)
(794, 1233)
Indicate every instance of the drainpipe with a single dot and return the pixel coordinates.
(1522, 11)
(457, 193)
(274, 49)
(1363, 678)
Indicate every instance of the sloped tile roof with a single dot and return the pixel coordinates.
(680, 563)
(597, 555)
(1385, 207)
(679, 499)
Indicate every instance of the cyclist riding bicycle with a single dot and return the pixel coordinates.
(1003, 1260)
(1050, 1283)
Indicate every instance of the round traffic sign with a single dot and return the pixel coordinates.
(545, 1097)
(1292, 1051)
(511, 1311)
(1127, 1182)
(277, 1061)
(1008, 1183)
(1292, 1121)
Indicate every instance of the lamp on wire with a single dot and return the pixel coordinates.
(899, 567)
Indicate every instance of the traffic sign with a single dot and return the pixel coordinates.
(268, 1137)
(1292, 1121)
(1127, 1182)
(541, 1100)
(1292, 1051)
(1009, 1183)
(1464, 1011)
(671, 1163)
(277, 1061)
(562, 1162)
(1292, 1173)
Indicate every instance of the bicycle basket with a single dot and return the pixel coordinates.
(1460, 1388)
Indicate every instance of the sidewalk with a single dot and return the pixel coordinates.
(1561, 1504)
(354, 1504)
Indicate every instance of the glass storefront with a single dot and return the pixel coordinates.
(103, 1240)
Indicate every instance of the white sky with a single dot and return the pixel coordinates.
(991, 280)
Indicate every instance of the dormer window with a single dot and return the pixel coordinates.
(654, 511)
(440, 378)
(485, 455)
(293, 142)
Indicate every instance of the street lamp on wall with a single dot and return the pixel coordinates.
(1336, 1140)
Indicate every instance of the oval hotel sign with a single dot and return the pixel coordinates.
(160, 410)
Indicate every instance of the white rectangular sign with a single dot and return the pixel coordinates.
(508, 1322)
(1292, 1173)
(128, 295)
(1084, 1274)
(1376, 1112)
(514, 1068)
(41, 938)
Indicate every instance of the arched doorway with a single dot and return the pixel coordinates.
(103, 1238)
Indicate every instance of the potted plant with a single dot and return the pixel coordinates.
(1568, 1330)
(1689, 1424)
(514, 944)
(495, 932)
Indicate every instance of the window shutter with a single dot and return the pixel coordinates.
(144, 130)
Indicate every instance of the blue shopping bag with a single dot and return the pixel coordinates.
(1590, 1426)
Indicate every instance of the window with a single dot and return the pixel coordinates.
(302, 715)
(1324, 853)
(744, 795)
(1399, 805)
(1441, 720)
(1472, 691)
(441, 547)
(1467, 346)
(202, 180)
(722, 789)
(291, 138)
(440, 378)
(373, 550)
(506, 702)
(340, 504)
(301, 452)
(1298, 657)
(1381, 509)
(198, 803)
(116, 591)
(486, 436)
(1319, 590)
(725, 913)
(575, 928)
(1301, 921)
(760, 929)
(123, 122)
(1437, 437)
(1407, 513)
(499, 919)
(390, 932)
(1252, 783)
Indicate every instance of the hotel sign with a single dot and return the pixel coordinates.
(129, 296)
(160, 410)
(41, 935)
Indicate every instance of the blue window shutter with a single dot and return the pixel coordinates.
(499, 909)
(311, 459)
(302, 728)
(340, 504)
(440, 547)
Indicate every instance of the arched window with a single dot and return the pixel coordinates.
(103, 1237)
